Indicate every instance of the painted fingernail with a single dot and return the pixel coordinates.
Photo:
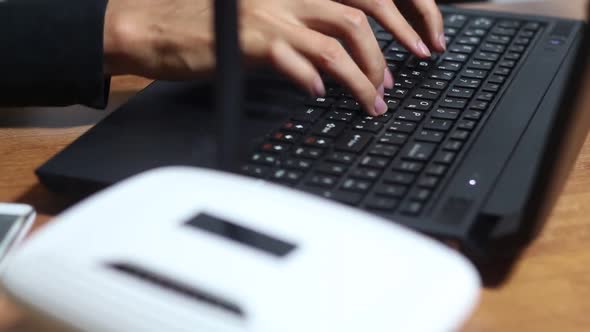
(380, 106)
(381, 90)
(423, 49)
(442, 41)
(388, 79)
(319, 89)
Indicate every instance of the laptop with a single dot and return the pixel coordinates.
(471, 151)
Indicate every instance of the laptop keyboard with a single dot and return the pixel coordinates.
(395, 163)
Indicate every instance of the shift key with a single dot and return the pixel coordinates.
(353, 142)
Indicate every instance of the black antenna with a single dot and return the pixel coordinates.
(228, 87)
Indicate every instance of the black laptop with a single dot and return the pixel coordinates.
(465, 154)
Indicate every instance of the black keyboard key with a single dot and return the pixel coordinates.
(324, 181)
(444, 157)
(475, 32)
(460, 93)
(474, 73)
(490, 48)
(308, 153)
(392, 103)
(308, 114)
(453, 103)
(381, 118)
(402, 127)
(258, 171)
(284, 137)
(487, 56)
(465, 49)
(437, 124)
(449, 66)
(428, 181)
(517, 48)
(491, 87)
(365, 173)
(466, 124)
(419, 151)
(509, 24)
(436, 170)
(504, 31)
(456, 57)
(479, 105)
(512, 56)
(353, 142)
(297, 127)
(419, 64)
(531, 26)
(396, 56)
(419, 105)
(429, 94)
(480, 64)
(263, 158)
(502, 71)
(321, 102)
(374, 162)
(345, 197)
(384, 36)
(356, 185)
(411, 208)
(445, 114)
(410, 74)
(384, 150)
(348, 104)
(405, 83)
(407, 115)
(485, 96)
(472, 115)
(466, 40)
(286, 176)
(451, 31)
(393, 138)
(341, 115)
(507, 64)
(331, 168)
(342, 157)
(482, 23)
(391, 190)
(461, 135)
(468, 83)
(453, 145)
(455, 21)
(434, 84)
(382, 203)
(396, 93)
(441, 75)
(399, 178)
(497, 79)
(370, 126)
(407, 166)
(319, 142)
(498, 39)
(295, 163)
(275, 147)
(328, 128)
(420, 194)
(433, 136)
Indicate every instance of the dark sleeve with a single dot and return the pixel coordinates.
(51, 53)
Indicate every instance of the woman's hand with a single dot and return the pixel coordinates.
(173, 39)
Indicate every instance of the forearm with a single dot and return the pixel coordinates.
(52, 53)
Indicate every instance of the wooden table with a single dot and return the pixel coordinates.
(549, 290)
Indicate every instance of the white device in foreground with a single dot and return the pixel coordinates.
(185, 249)
(15, 222)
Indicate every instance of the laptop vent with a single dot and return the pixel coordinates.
(179, 288)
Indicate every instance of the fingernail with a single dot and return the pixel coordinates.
(318, 87)
(388, 79)
(442, 41)
(381, 90)
(423, 49)
(380, 106)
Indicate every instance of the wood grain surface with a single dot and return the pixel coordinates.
(549, 289)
